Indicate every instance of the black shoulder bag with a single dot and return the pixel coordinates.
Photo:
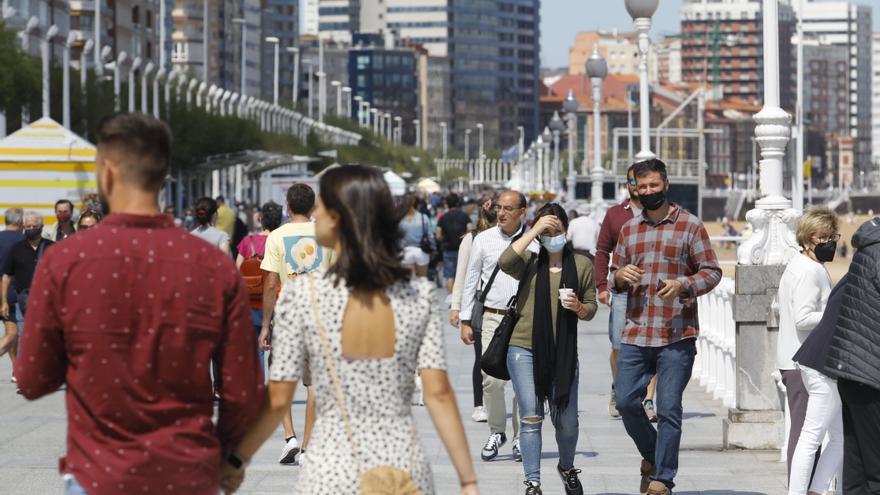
(426, 243)
(494, 359)
(480, 302)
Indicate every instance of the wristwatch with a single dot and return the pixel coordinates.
(236, 461)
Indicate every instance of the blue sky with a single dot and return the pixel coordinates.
(562, 19)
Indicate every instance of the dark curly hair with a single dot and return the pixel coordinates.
(205, 209)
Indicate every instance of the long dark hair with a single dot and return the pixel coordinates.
(205, 209)
(369, 258)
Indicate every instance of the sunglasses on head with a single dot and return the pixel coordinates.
(632, 181)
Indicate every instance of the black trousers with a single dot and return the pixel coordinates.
(477, 374)
(861, 438)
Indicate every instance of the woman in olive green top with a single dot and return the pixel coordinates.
(542, 358)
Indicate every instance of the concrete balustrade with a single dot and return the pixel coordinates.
(715, 363)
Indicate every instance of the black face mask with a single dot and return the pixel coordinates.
(33, 234)
(653, 201)
(824, 251)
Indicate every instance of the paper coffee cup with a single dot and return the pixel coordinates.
(563, 293)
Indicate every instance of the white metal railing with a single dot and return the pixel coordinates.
(715, 363)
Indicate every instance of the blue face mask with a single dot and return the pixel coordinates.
(553, 244)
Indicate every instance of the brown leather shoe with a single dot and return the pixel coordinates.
(648, 470)
(658, 488)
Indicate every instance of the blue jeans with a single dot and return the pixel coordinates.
(72, 487)
(617, 319)
(521, 366)
(635, 366)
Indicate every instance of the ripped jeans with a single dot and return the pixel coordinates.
(520, 365)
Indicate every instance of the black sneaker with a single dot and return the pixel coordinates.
(490, 450)
(570, 480)
(533, 488)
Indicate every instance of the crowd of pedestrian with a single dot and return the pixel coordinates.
(181, 341)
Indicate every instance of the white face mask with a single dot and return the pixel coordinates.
(553, 244)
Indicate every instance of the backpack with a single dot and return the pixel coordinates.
(253, 275)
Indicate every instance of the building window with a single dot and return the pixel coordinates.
(179, 52)
(136, 14)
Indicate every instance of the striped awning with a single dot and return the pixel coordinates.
(45, 141)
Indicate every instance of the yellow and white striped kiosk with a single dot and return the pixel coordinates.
(42, 163)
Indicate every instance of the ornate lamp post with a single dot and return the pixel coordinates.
(546, 139)
(597, 69)
(539, 164)
(277, 42)
(556, 126)
(445, 137)
(570, 106)
(641, 12)
(132, 82)
(773, 219)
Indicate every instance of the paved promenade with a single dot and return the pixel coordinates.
(32, 437)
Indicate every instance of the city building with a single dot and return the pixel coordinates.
(422, 22)
(280, 19)
(665, 62)
(309, 18)
(437, 101)
(338, 19)
(388, 79)
(848, 24)
(492, 47)
(722, 44)
(875, 98)
(620, 50)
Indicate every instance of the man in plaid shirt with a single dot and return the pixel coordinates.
(664, 261)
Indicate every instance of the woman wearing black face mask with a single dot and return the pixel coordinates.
(803, 293)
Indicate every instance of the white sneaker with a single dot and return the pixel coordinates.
(480, 415)
(288, 453)
(302, 459)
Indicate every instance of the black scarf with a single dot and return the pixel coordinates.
(554, 362)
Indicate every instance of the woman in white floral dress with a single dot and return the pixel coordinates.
(380, 327)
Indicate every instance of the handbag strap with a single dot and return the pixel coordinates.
(337, 387)
(485, 291)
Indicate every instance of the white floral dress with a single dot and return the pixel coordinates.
(377, 391)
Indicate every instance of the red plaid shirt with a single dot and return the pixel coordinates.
(678, 247)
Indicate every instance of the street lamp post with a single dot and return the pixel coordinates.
(597, 70)
(322, 82)
(65, 81)
(205, 40)
(275, 41)
(546, 139)
(160, 76)
(295, 51)
(480, 141)
(346, 98)
(375, 117)
(773, 219)
(132, 82)
(148, 69)
(308, 62)
(360, 110)
(243, 75)
(121, 58)
(417, 126)
(399, 130)
(641, 12)
(556, 127)
(539, 164)
(338, 85)
(467, 146)
(84, 72)
(480, 161)
(389, 124)
(445, 137)
(50, 34)
(570, 106)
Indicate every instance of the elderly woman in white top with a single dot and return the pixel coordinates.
(803, 293)
(486, 218)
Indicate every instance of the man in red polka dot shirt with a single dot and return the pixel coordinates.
(130, 315)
